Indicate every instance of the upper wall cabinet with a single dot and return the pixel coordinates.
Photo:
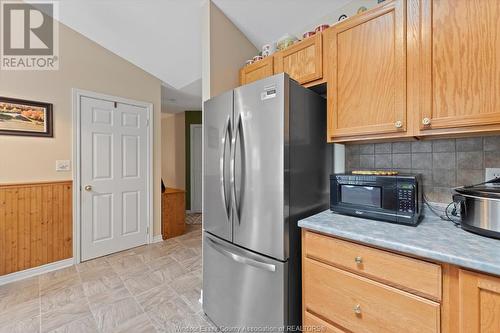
(366, 74)
(302, 61)
(459, 64)
(256, 71)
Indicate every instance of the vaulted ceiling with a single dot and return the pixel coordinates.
(163, 37)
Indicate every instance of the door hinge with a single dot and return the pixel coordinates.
(116, 104)
(147, 122)
(147, 231)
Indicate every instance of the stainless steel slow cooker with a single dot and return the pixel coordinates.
(480, 208)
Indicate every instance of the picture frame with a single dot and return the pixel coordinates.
(21, 117)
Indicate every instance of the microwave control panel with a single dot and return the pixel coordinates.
(406, 198)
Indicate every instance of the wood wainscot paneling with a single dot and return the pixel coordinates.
(35, 224)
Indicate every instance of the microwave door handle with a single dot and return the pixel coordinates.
(369, 188)
(226, 132)
(239, 258)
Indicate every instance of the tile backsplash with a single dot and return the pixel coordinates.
(443, 163)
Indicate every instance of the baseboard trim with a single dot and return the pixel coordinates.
(30, 272)
(157, 239)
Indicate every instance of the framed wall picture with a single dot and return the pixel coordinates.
(25, 118)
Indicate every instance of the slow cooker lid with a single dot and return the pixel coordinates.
(489, 190)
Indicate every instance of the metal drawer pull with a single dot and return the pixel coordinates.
(357, 309)
(358, 260)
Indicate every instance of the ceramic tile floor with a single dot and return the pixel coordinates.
(152, 288)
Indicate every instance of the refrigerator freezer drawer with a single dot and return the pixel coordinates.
(241, 288)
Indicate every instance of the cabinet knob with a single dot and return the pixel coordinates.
(426, 121)
(357, 309)
(398, 124)
(358, 260)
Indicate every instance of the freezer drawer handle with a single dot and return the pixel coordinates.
(242, 260)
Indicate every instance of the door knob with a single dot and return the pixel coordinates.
(426, 121)
(398, 124)
(88, 188)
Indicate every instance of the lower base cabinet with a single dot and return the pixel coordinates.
(343, 292)
(479, 303)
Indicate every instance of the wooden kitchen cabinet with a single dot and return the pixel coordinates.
(303, 61)
(479, 309)
(256, 71)
(173, 213)
(456, 52)
(366, 74)
(350, 287)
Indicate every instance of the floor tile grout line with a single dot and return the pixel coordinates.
(135, 299)
(39, 301)
(88, 302)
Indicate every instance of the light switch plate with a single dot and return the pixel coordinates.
(491, 173)
(63, 165)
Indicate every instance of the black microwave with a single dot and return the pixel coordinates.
(394, 198)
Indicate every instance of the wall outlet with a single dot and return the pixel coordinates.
(63, 165)
(491, 173)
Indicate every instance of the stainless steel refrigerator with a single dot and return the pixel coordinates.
(266, 165)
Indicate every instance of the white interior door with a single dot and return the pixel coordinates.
(196, 172)
(114, 174)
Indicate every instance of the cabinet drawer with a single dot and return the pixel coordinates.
(417, 276)
(362, 305)
(312, 323)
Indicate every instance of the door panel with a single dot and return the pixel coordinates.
(241, 288)
(367, 73)
(114, 165)
(256, 71)
(218, 120)
(259, 162)
(196, 170)
(479, 303)
(461, 64)
(302, 61)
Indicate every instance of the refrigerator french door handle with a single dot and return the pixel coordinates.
(241, 259)
(227, 130)
(236, 203)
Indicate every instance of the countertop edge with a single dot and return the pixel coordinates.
(404, 249)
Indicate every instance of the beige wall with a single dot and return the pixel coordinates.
(228, 49)
(83, 65)
(173, 150)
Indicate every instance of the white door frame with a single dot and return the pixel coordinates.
(77, 94)
(191, 169)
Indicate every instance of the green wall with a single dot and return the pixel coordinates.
(191, 117)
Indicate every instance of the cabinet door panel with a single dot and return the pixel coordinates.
(367, 73)
(479, 303)
(256, 71)
(460, 63)
(303, 61)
